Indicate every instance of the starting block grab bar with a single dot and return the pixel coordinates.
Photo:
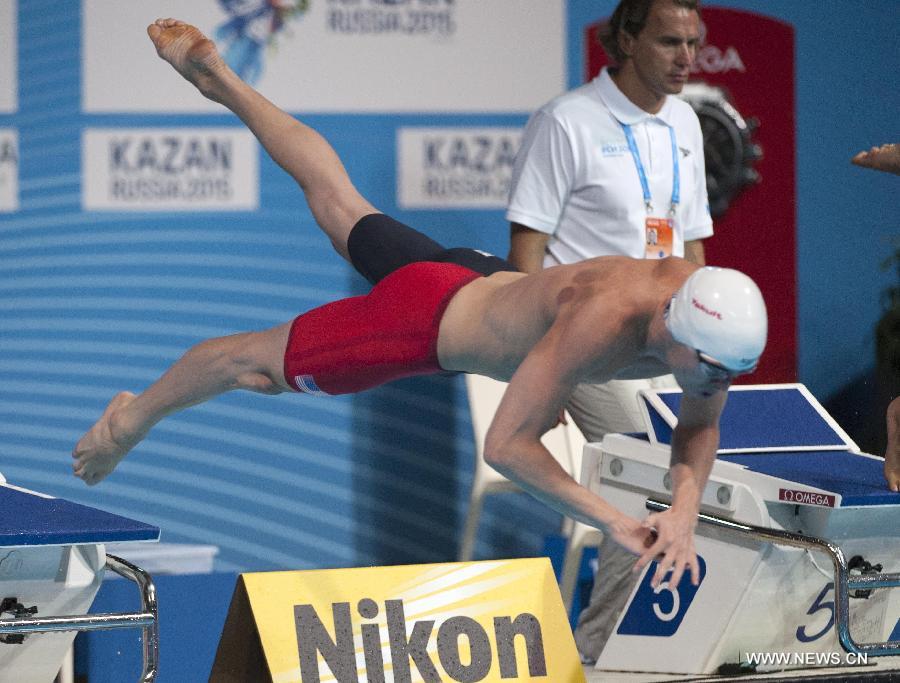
(146, 619)
(844, 582)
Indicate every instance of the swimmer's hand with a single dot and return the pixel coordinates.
(631, 534)
(673, 546)
(105, 444)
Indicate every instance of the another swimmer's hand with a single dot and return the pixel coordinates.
(892, 454)
(103, 447)
(883, 158)
(892, 473)
(673, 547)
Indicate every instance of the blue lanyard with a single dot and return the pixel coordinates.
(645, 186)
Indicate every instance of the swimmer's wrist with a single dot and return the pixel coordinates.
(686, 495)
(618, 523)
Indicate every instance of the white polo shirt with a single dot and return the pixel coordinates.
(576, 180)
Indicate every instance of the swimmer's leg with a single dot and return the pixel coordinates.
(297, 148)
(252, 361)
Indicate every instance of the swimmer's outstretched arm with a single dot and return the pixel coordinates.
(892, 454)
(530, 407)
(251, 361)
(695, 441)
(297, 148)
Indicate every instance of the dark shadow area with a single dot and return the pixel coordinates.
(860, 406)
(859, 409)
(407, 467)
(515, 525)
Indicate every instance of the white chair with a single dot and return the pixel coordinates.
(565, 442)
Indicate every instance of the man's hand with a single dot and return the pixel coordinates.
(673, 547)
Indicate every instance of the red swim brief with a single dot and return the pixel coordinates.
(364, 341)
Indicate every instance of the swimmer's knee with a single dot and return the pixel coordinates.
(337, 211)
(259, 382)
(248, 360)
(257, 360)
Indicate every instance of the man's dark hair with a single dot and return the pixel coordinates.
(630, 16)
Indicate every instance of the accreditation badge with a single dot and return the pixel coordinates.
(659, 234)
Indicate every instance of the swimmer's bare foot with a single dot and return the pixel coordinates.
(106, 443)
(192, 54)
(884, 158)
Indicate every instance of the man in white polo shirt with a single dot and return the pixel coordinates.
(616, 167)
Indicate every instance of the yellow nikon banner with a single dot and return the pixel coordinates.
(467, 622)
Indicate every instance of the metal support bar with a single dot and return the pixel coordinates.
(146, 619)
(844, 582)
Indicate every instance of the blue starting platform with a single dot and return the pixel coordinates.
(30, 519)
(52, 561)
(794, 517)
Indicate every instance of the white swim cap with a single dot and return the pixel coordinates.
(721, 313)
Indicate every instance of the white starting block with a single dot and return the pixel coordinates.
(52, 559)
(795, 523)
